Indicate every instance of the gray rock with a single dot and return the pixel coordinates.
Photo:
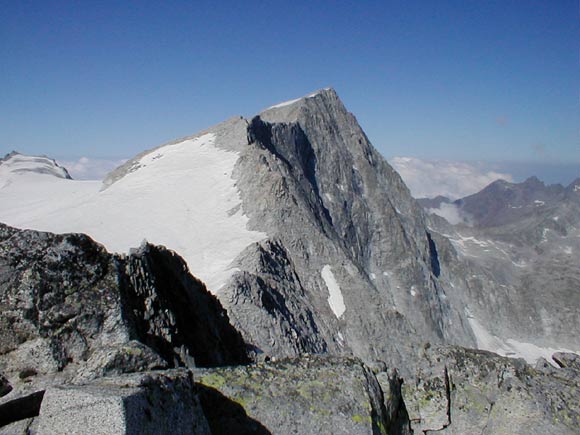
(311, 180)
(310, 395)
(567, 361)
(459, 391)
(521, 253)
(28, 426)
(144, 403)
(5, 386)
(73, 312)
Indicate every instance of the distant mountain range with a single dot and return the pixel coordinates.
(526, 237)
(503, 203)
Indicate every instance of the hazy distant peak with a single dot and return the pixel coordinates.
(502, 183)
(534, 181)
(574, 186)
(15, 163)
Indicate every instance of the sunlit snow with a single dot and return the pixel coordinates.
(335, 299)
(19, 164)
(181, 196)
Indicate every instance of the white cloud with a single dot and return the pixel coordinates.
(453, 179)
(452, 214)
(89, 168)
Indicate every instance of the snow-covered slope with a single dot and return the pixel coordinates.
(180, 195)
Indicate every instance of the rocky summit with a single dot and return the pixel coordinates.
(301, 289)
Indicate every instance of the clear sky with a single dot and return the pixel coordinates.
(465, 79)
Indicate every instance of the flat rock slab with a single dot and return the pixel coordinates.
(312, 395)
(137, 404)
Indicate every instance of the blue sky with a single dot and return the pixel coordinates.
(464, 80)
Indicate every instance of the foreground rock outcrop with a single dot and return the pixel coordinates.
(72, 312)
(460, 391)
(139, 403)
(311, 395)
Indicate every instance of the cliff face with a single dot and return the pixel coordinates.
(87, 338)
(348, 252)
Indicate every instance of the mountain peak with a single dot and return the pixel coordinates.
(534, 181)
(15, 163)
(289, 107)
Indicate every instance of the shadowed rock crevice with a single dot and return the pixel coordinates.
(435, 265)
(173, 312)
(225, 416)
(289, 143)
(21, 408)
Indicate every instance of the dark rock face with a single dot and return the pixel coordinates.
(503, 203)
(73, 312)
(173, 313)
(22, 408)
(5, 386)
(261, 297)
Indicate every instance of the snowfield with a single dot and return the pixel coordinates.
(181, 196)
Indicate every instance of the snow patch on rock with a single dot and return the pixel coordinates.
(509, 347)
(290, 102)
(335, 299)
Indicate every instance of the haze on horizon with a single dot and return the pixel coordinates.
(495, 82)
